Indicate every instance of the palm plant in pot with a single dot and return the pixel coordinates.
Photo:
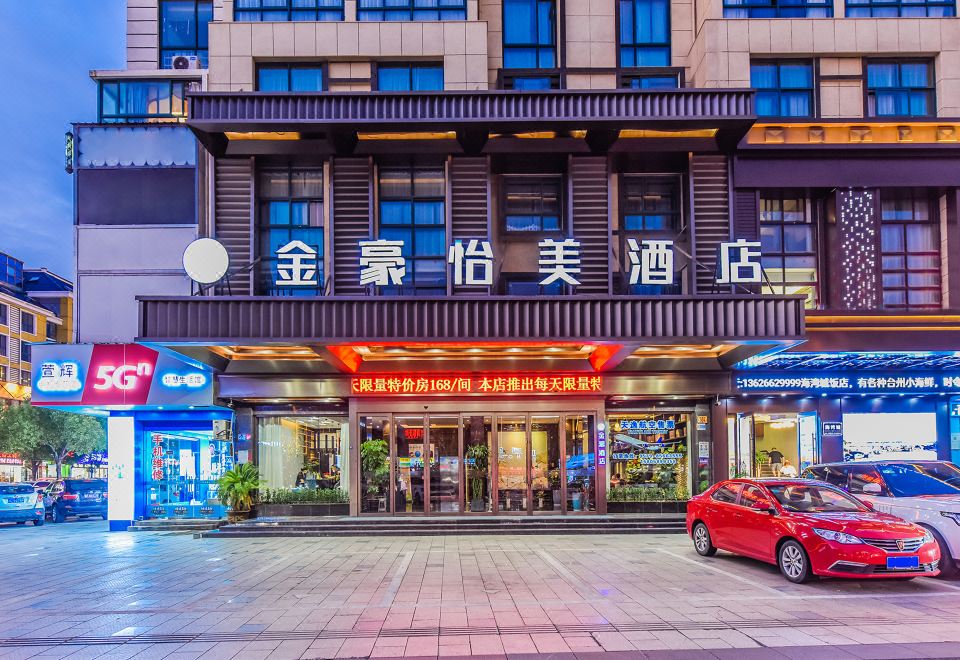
(478, 458)
(236, 488)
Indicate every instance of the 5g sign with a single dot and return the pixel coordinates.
(124, 377)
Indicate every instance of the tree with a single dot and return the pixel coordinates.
(39, 434)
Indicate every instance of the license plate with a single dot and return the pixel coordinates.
(16, 500)
(903, 562)
(91, 496)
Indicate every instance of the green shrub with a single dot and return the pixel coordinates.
(303, 496)
(641, 494)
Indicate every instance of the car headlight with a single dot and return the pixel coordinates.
(839, 537)
(927, 537)
(952, 515)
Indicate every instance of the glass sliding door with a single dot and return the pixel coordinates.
(545, 463)
(512, 482)
(409, 490)
(444, 437)
(375, 438)
(477, 452)
(580, 464)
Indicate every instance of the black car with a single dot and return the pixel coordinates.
(77, 497)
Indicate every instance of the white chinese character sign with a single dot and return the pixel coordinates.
(382, 262)
(559, 261)
(297, 265)
(739, 262)
(473, 264)
(651, 261)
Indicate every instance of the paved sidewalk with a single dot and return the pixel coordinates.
(76, 590)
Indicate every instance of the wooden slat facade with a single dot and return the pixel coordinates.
(233, 219)
(352, 217)
(590, 206)
(709, 177)
(469, 204)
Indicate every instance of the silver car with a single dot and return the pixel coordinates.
(20, 503)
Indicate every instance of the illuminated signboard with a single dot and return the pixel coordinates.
(855, 383)
(484, 384)
(601, 444)
(10, 459)
(116, 375)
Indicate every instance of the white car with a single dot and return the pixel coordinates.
(923, 492)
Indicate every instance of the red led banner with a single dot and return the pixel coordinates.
(489, 384)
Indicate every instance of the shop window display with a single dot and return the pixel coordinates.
(184, 466)
(306, 455)
(375, 434)
(648, 457)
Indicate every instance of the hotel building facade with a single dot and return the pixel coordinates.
(516, 256)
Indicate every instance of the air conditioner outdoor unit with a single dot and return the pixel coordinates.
(186, 62)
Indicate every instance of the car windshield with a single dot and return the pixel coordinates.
(86, 485)
(913, 479)
(811, 498)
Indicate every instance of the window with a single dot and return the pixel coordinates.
(144, 100)
(529, 82)
(528, 284)
(650, 203)
(183, 30)
(900, 89)
(905, 8)
(411, 10)
(4, 311)
(909, 250)
(532, 203)
(788, 245)
(529, 34)
(862, 475)
(751, 495)
(291, 209)
(784, 88)
(644, 32)
(288, 10)
(410, 77)
(727, 493)
(11, 270)
(777, 8)
(3, 374)
(290, 78)
(650, 81)
(26, 352)
(28, 323)
(411, 210)
(52, 330)
(3, 345)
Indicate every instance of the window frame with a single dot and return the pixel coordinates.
(674, 230)
(775, 9)
(905, 271)
(263, 228)
(26, 352)
(508, 278)
(627, 74)
(735, 486)
(202, 53)
(409, 66)
(410, 287)
(4, 314)
(812, 90)
(538, 48)
(931, 88)
(880, 9)
(4, 346)
(188, 85)
(810, 220)
(638, 46)
(505, 179)
(240, 13)
(390, 13)
(33, 322)
(289, 68)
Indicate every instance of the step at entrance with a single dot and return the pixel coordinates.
(447, 526)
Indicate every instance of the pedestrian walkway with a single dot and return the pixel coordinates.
(74, 590)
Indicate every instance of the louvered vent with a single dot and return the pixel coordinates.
(591, 224)
(352, 213)
(711, 215)
(469, 204)
(233, 219)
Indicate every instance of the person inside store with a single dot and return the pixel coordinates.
(301, 479)
(615, 480)
(776, 460)
(788, 469)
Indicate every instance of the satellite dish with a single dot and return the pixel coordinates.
(206, 261)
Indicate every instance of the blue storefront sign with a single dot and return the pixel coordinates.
(833, 428)
(852, 383)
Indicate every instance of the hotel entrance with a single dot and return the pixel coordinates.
(477, 463)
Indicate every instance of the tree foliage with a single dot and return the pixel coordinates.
(46, 434)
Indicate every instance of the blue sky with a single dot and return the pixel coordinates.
(49, 47)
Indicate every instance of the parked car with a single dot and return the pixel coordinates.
(924, 492)
(20, 503)
(77, 497)
(42, 485)
(808, 528)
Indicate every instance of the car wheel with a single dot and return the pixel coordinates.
(58, 516)
(794, 562)
(38, 522)
(948, 566)
(702, 542)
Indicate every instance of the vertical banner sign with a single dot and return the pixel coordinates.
(120, 484)
(601, 444)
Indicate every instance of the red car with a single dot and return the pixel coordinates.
(808, 528)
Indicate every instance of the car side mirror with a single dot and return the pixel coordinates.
(872, 489)
(764, 506)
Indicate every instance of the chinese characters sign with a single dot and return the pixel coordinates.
(116, 375)
(856, 382)
(650, 262)
(484, 384)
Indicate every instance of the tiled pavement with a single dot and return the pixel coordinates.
(77, 590)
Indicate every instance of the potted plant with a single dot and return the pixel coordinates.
(375, 470)
(236, 488)
(478, 458)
